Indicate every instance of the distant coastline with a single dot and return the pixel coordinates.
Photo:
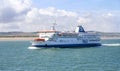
(104, 38)
(29, 36)
(17, 38)
(32, 38)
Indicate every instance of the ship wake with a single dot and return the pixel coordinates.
(33, 48)
(115, 44)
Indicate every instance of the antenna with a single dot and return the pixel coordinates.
(53, 27)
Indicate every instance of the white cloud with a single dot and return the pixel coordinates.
(19, 5)
(21, 15)
(12, 10)
(46, 17)
(51, 11)
(9, 27)
(83, 20)
(104, 22)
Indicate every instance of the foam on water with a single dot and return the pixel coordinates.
(33, 47)
(115, 44)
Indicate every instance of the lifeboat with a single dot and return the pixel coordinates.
(39, 39)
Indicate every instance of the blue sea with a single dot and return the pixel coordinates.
(15, 56)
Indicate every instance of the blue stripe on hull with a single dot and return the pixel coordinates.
(68, 45)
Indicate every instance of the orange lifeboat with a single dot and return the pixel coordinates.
(39, 39)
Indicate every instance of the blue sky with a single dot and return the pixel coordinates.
(34, 15)
(78, 5)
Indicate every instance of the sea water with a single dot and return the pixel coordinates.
(15, 56)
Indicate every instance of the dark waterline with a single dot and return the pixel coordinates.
(15, 56)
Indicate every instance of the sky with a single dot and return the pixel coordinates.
(36, 15)
(77, 5)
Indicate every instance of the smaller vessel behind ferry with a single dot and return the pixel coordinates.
(79, 38)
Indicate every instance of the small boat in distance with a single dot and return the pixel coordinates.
(78, 38)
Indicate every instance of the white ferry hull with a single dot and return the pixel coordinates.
(66, 45)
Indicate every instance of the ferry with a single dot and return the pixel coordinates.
(57, 39)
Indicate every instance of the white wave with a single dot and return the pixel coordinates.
(116, 44)
(33, 48)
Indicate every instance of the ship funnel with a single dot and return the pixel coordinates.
(79, 29)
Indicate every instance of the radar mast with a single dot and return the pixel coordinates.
(54, 24)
